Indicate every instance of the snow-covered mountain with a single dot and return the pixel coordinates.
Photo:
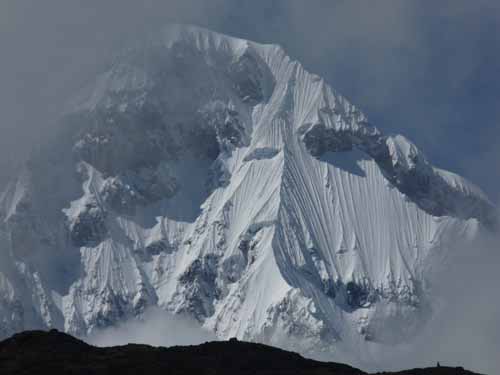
(216, 177)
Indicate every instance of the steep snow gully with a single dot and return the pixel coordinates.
(216, 177)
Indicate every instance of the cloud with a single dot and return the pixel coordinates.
(51, 48)
(156, 327)
(464, 329)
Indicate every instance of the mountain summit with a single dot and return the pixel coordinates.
(215, 177)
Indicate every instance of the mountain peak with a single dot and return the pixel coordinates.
(218, 178)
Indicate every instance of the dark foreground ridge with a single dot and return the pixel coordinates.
(40, 352)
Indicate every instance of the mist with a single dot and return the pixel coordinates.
(155, 327)
(464, 329)
(429, 71)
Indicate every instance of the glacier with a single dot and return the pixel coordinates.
(215, 177)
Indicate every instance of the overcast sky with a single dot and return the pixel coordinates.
(430, 72)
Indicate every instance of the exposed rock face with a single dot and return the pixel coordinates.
(123, 193)
(216, 177)
(406, 168)
(89, 227)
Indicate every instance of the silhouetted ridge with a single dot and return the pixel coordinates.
(34, 352)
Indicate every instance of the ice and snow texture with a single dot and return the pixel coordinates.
(215, 177)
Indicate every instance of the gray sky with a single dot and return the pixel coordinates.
(430, 72)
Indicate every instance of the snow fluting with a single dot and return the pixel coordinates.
(216, 178)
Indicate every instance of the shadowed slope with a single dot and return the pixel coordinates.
(34, 352)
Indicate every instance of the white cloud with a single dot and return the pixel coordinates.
(156, 327)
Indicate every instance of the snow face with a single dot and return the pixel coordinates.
(216, 177)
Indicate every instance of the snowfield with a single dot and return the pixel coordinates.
(216, 177)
